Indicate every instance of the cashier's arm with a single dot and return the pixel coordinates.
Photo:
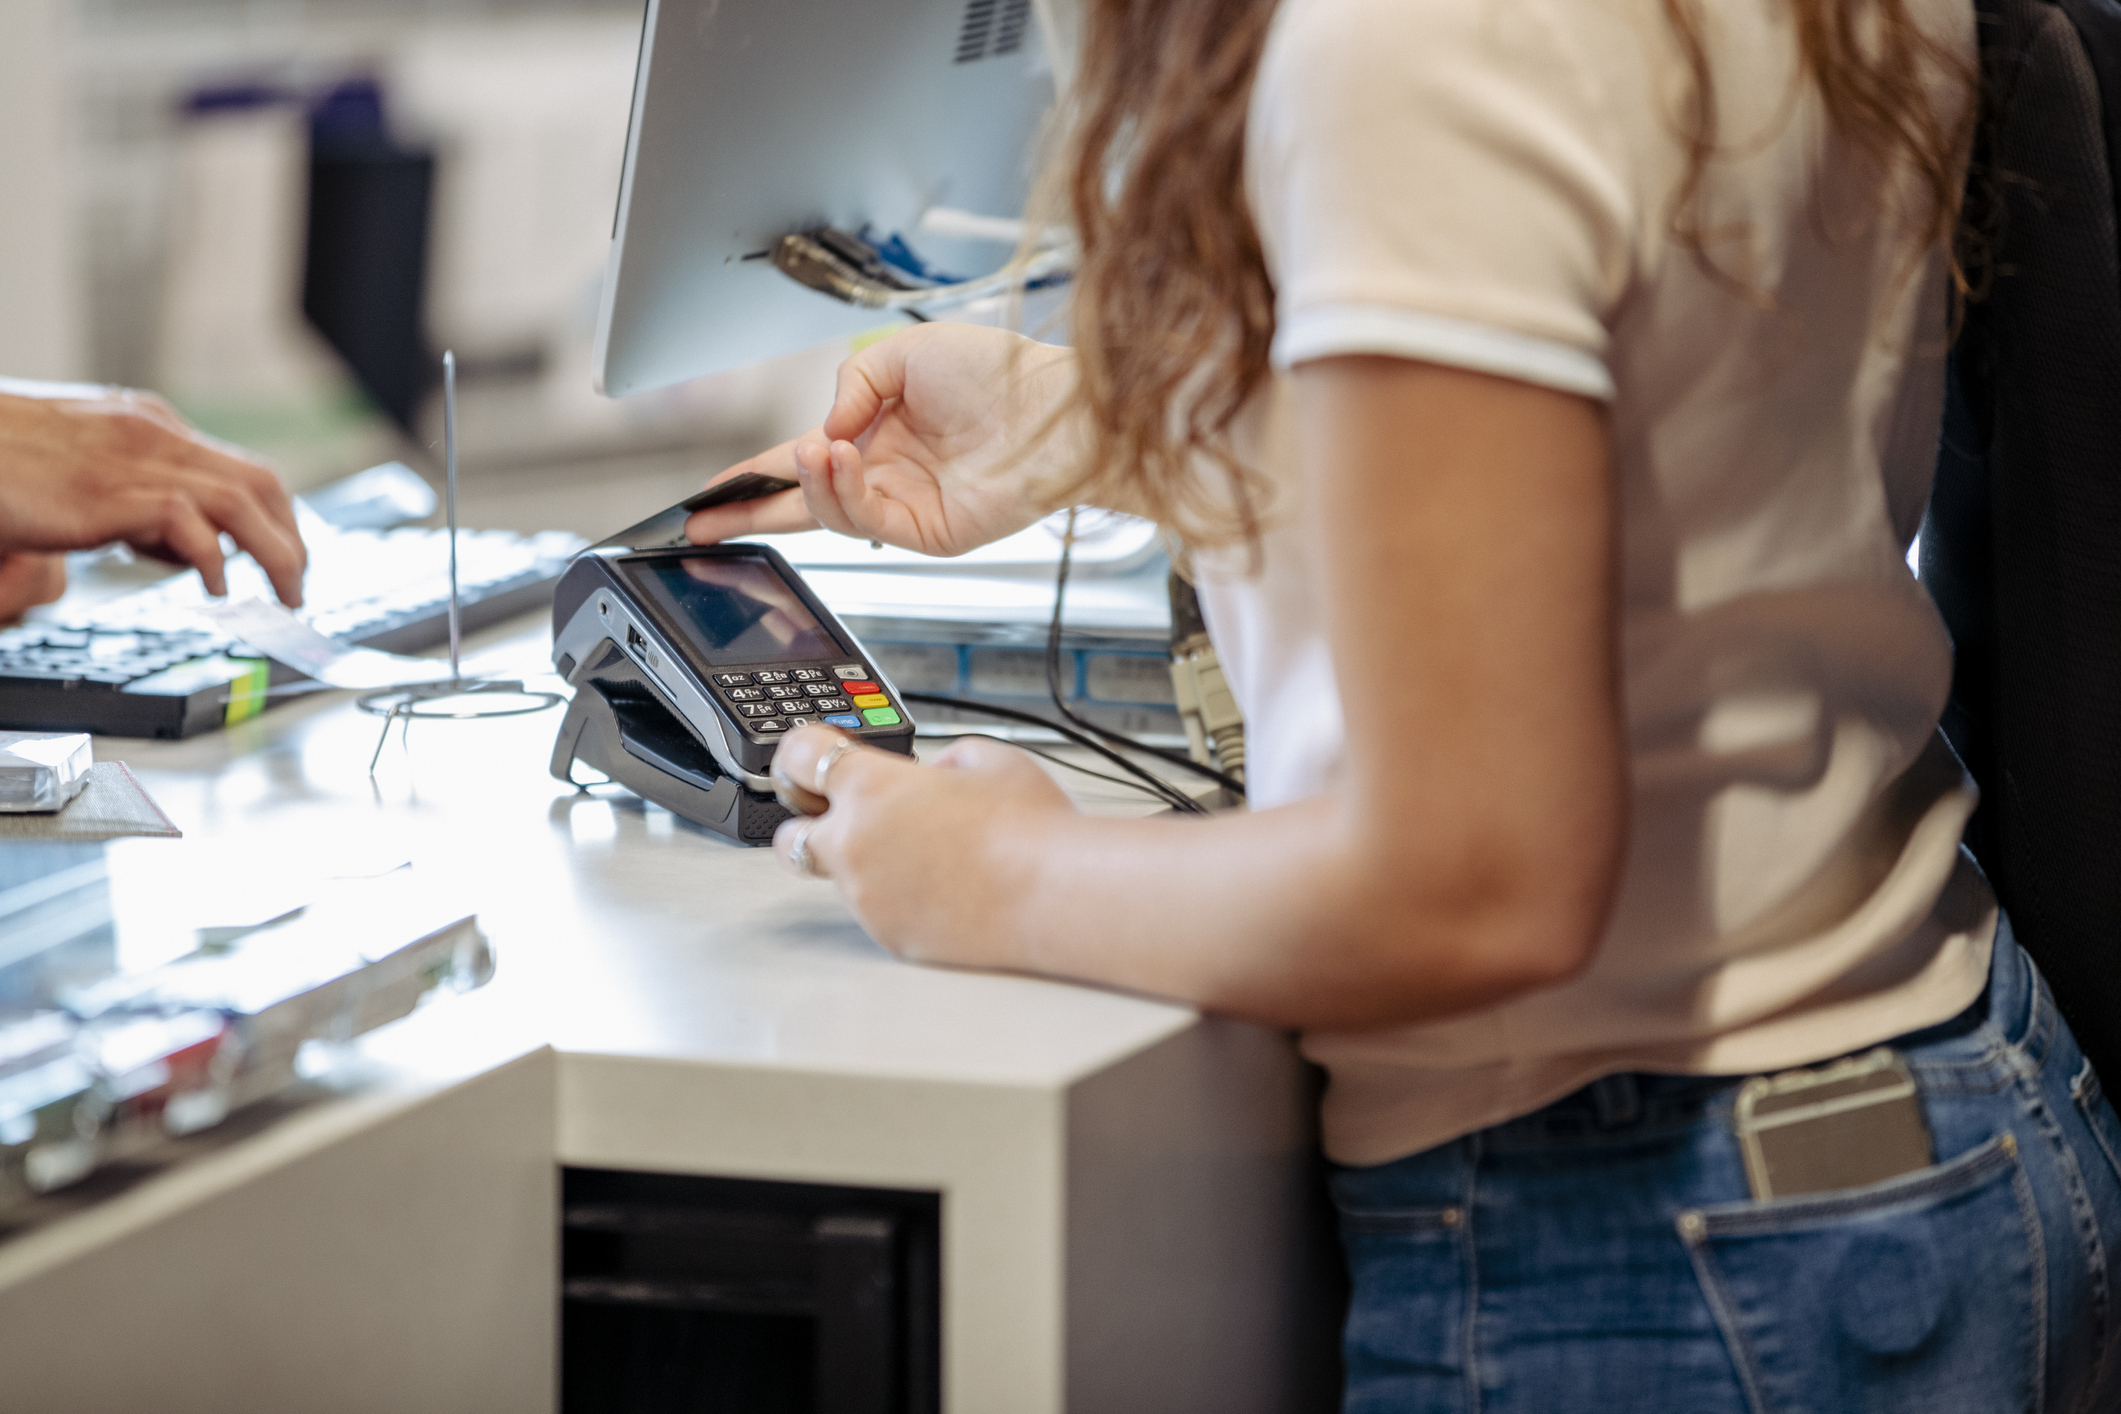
(1469, 849)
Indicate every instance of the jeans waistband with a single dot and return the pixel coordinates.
(1633, 1105)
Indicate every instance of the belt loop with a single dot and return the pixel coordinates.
(1618, 1100)
(2029, 1031)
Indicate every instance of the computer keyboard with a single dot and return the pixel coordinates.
(149, 664)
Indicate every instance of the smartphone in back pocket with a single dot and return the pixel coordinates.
(1841, 1125)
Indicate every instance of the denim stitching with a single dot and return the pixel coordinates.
(1700, 1225)
(2029, 1214)
(2040, 1015)
(2085, 1091)
(1734, 1342)
(1973, 1077)
(1471, 1249)
(2084, 1218)
(1969, 1171)
(1989, 1073)
(1661, 1117)
(1404, 1221)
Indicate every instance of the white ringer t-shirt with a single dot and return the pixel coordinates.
(1489, 184)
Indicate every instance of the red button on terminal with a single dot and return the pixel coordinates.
(852, 687)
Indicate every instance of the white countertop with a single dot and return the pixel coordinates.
(1125, 1182)
(620, 929)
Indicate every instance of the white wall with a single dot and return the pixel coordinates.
(41, 333)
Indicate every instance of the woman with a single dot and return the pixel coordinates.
(1547, 391)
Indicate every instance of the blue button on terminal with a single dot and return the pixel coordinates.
(844, 719)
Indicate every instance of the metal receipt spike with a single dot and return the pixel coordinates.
(454, 699)
(449, 455)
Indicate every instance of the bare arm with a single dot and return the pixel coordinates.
(1471, 848)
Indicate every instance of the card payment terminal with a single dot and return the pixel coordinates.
(691, 664)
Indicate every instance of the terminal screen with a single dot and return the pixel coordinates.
(735, 609)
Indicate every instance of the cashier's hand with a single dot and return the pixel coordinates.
(929, 855)
(89, 465)
(928, 446)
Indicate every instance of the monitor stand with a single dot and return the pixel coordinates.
(618, 726)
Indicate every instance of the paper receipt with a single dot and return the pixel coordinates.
(284, 638)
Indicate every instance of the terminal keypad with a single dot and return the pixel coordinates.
(771, 700)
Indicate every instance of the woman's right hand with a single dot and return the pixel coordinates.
(927, 446)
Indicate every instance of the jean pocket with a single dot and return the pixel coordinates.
(2099, 1115)
(1920, 1295)
(1406, 1318)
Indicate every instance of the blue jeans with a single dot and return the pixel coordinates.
(1604, 1254)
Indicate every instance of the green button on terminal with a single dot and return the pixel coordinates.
(880, 716)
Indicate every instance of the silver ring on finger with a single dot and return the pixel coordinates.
(799, 856)
(824, 763)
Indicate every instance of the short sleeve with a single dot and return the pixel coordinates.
(1435, 179)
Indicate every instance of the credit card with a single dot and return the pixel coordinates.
(667, 527)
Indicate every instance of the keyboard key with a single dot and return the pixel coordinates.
(756, 709)
(782, 693)
(833, 704)
(845, 720)
(809, 675)
(745, 694)
(880, 717)
(849, 672)
(769, 726)
(872, 699)
(769, 677)
(794, 707)
(154, 643)
(25, 672)
(861, 687)
(732, 679)
(819, 689)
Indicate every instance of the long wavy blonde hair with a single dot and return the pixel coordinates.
(1174, 310)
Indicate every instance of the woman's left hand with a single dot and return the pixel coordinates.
(931, 856)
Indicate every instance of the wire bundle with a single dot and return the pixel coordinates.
(1081, 731)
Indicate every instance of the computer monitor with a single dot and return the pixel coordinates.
(753, 119)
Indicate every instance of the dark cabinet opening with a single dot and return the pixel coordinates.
(688, 1295)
